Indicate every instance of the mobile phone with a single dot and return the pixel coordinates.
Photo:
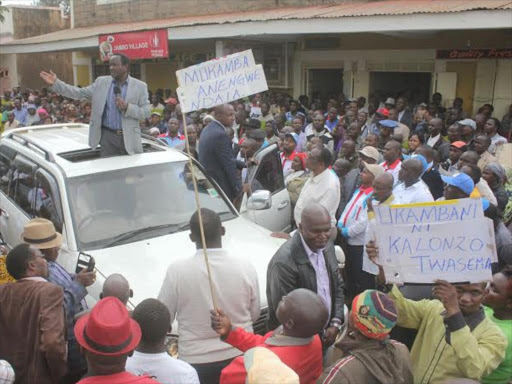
(85, 261)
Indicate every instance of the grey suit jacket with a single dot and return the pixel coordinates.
(138, 108)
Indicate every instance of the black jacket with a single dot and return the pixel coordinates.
(432, 178)
(216, 156)
(290, 269)
(407, 118)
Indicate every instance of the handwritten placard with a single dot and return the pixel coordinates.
(220, 81)
(449, 240)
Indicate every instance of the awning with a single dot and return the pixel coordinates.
(381, 16)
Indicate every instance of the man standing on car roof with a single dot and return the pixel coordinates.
(119, 102)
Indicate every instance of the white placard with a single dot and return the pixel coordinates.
(236, 85)
(215, 69)
(447, 240)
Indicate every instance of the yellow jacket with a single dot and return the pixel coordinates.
(469, 354)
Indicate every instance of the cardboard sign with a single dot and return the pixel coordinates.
(135, 45)
(448, 240)
(220, 81)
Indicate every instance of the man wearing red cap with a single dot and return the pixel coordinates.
(108, 336)
(451, 166)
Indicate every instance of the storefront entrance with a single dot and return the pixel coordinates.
(324, 84)
(414, 85)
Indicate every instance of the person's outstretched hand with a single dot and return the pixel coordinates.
(281, 235)
(49, 78)
(221, 322)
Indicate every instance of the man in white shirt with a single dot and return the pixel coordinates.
(392, 162)
(186, 293)
(323, 187)
(412, 189)
(352, 227)
(151, 358)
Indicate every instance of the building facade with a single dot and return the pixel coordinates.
(21, 22)
(460, 48)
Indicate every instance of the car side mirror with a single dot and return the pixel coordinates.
(259, 200)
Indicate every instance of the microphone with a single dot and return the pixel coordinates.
(117, 91)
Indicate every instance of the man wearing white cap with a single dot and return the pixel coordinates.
(468, 128)
(156, 122)
(352, 227)
(389, 103)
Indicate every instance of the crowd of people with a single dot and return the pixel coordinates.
(340, 159)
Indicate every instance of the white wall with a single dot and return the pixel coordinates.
(503, 88)
(9, 62)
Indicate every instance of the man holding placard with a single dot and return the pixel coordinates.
(455, 339)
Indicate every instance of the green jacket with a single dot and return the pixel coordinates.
(463, 347)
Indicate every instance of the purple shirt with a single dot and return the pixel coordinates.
(323, 288)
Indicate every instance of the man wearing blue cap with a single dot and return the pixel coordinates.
(458, 186)
(386, 129)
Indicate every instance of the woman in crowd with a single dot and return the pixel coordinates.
(495, 176)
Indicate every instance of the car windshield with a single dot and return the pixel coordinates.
(134, 204)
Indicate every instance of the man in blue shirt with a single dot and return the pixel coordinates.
(20, 113)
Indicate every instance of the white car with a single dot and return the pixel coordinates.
(130, 213)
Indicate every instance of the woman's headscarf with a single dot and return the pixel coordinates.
(498, 171)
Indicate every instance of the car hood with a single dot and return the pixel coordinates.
(144, 263)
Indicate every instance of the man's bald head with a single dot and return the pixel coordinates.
(426, 151)
(117, 286)
(225, 114)
(302, 313)
(383, 186)
(469, 157)
(411, 171)
(315, 226)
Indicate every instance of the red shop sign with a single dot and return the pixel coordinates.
(135, 45)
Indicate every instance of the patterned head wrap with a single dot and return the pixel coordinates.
(374, 314)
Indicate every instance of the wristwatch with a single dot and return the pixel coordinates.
(336, 324)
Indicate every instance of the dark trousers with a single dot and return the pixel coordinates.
(356, 280)
(209, 373)
(111, 143)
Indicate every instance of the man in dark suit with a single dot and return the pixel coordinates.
(32, 323)
(431, 176)
(216, 153)
(308, 261)
(404, 114)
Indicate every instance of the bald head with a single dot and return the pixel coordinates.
(427, 151)
(383, 186)
(315, 226)
(342, 167)
(411, 171)
(225, 114)
(469, 157)
(117, 286)
(302, 313)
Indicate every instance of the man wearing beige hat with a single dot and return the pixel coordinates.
(352, 227)
(41, 234)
